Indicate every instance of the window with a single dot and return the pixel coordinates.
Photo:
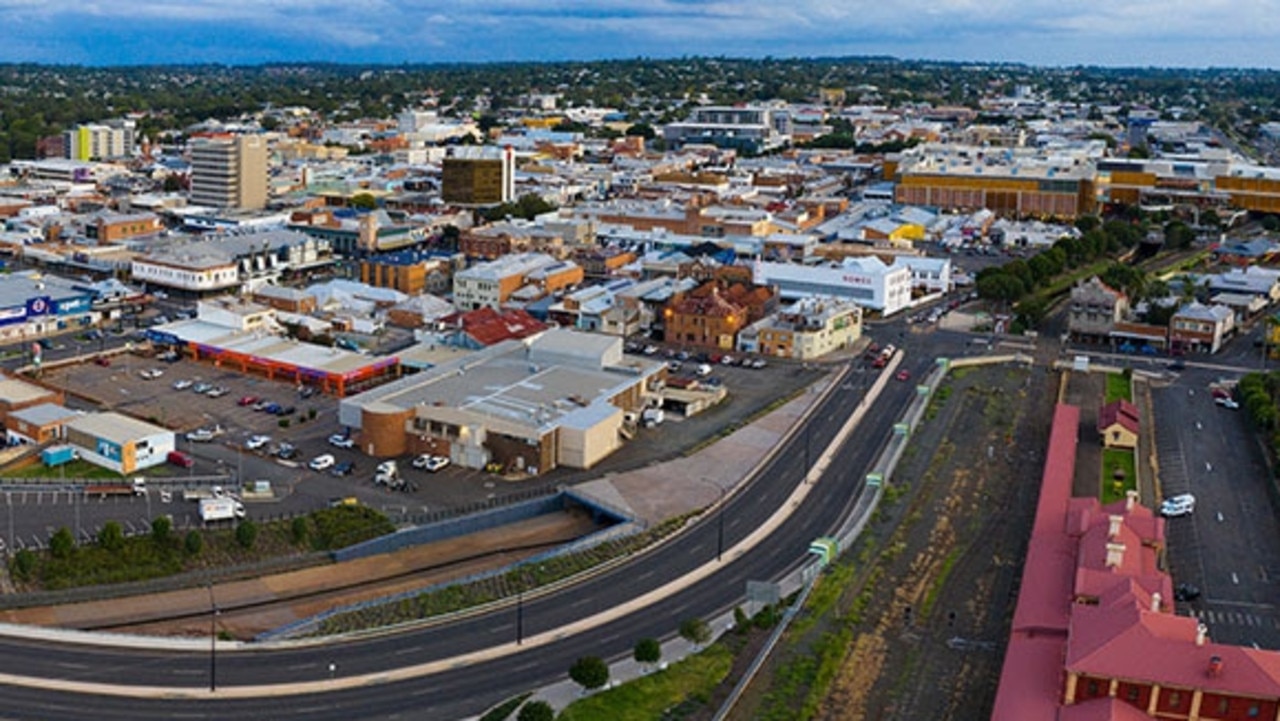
(1175, 699)
(1092, 688)
(1132, 692)
(1253, 710)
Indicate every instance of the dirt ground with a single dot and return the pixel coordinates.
(920, 631)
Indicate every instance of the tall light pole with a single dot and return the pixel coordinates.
(213, 641)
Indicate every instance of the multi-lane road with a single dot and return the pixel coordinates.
(459, 692)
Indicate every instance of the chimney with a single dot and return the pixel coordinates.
(1155, 602)
(1215, 666)
(1202, 634)
(1130, 499)
(1114, 529)
(1115, 554)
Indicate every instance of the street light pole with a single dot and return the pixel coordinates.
(520, 613)
(720, 527)
(213, 641)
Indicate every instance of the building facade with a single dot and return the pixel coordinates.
(1096, 308)
(229, 173)
(479, 176)
(810, 328)
(866, 281)
(494, 283)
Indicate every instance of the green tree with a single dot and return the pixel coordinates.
(536, 711)
(1000, 287)
(24, 562)
(193, 544)
(161, 529)
(643, 130)
(589, 672)
(695, 631)
(1178, 235)
(1086, 223)
(1270, 223)
(363, 201)
(111, 537)
(648, 651)
(1210, 218)
(62, 544)
(299, 530)
(246, 534)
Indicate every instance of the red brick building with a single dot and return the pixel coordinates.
(1094, 635)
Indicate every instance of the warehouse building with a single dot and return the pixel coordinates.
(118, 442)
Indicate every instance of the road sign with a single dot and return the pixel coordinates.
(825, 548)
(874, 480)
(901, 429)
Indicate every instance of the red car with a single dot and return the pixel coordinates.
(904, 375)
(247, 401)
(879, 362)
(102, 361)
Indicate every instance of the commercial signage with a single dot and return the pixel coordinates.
(108, 449)
(71, 305)
(40, 305)
(9, 316)
(856, 279)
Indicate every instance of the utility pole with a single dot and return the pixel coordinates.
(213, 641)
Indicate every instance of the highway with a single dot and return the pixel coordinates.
(460, 692)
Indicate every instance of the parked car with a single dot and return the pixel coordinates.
(247, 400)
(307, 392)
(341, 441)
(1180, 505)
(284, 410)
(200, 435)
(345, 468)
(704, 370)
(202, 388)
(102, 361)
(903, 375)
(150, 373)
(759, 363)
(217, 391)
(261, 404)
(1227, 403)
(256, 442)
(1185, 592)
(422, 460)
(286, 451)
(178, 458)
(272, 408)
(435, 463)
(1178, 365)
(182, 384)
(320, 463)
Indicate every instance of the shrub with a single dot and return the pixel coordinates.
(589, 672)
(648, 650)
(193, 544)
(62, 544)
(695, 631)
(23, 564)
(740, 620)
(283, 422)
(311, 413)
(161, 530)
(111, 537)
(536, 711)
(246, 534)
(298, 530)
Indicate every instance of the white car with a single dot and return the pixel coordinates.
(320, 463)
(341, 441)
(1180, 505)
(256, 442)
(435, 463)
(1227, 403)
(422, 460)
(151, 373)
(183, 384)
(200, 435)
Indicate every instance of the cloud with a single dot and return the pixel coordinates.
(1036, 31)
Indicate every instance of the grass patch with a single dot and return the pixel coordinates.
(1118, 388)
(143, 557)
(1114, 459)
(686, 685)
(78, 468)
(936, 587)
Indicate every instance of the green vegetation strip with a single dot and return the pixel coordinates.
(1117, 459)
(75, 469)
(454, 598)
(1118, 388)
(659, 695)
(166, 552)
(504, 710)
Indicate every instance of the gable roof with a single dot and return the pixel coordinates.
(1118, 411)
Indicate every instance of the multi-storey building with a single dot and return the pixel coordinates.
(810, 328)
(479, 176)
(492, 284)
(229, 172)
(752, 129)
(1096, 308)
(866, 281)
(1200, 327)
(96, 141)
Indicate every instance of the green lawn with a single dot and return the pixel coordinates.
(1113, 490)
(1118, 387)
(649, 697)
(75, 469)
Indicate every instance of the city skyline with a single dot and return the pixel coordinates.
(1173, 33)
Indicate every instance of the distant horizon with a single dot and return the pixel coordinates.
(1122, 34)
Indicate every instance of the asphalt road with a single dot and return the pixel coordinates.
(461, 692)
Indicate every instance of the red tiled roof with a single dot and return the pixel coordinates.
(1103, 709)
(488, 326)
(1118, 411)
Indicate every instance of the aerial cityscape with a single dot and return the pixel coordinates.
(676, 360)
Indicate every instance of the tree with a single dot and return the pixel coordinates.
(1270, 223)
(1086, 223)
(363, 201)
(643, 130)
(536, 711)
(589, 672)
(24, 562)
(1000, 287)
(111, 537)
(1210, 218)
(695, 631)
(193, 544)
(161, 529)
(62, 544)
(1178, 235)
(246, 534)
(648, 651)
(299, 530)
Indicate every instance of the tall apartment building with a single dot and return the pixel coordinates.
(229, 172)
(479, 176)
(752, 129)
(114, 139)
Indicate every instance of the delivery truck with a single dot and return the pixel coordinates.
(220, 509)
(136, 487)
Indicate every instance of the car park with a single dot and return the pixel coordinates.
(1181, 505)
(256, 442)
(320, 463)
(182, 384)
(341, 441)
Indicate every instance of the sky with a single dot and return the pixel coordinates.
(1178, 33)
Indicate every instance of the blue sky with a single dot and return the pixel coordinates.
(1193, 33)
